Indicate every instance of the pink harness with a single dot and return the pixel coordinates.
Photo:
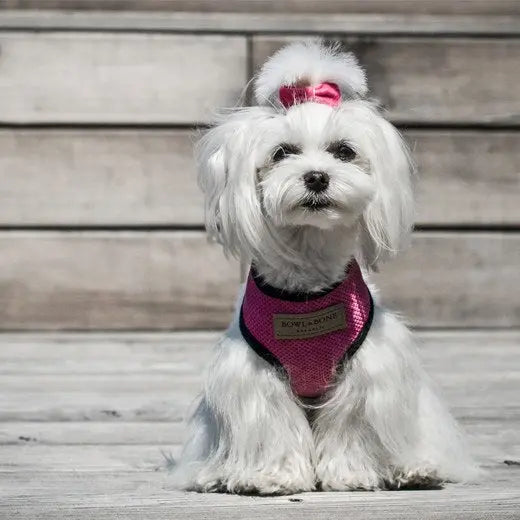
(307, 335)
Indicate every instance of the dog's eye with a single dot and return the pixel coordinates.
(283, 151)
(342, 151)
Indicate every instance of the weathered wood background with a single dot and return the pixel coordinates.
(100, 215)
(101, 230)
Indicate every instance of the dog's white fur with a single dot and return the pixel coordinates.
(310, 63)
(380, 425)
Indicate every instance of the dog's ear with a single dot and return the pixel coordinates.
(388, 220)
(226, 162)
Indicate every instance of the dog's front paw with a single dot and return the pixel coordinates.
(346, 479)
(422, 478)
(256, 483)
(271, 484)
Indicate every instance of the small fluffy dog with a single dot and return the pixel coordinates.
(314, 385)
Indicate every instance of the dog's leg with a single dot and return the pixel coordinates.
(440, 447)
(349, 452)
(382, 426)
(248, 435)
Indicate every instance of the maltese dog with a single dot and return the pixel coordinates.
(314, 385)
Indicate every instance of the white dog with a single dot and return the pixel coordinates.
(313, 386)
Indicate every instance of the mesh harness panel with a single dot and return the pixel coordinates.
(309, 362)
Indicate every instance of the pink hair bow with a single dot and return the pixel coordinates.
(326, 93)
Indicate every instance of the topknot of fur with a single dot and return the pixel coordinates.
(309, 62)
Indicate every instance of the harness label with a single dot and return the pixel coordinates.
(301, 326)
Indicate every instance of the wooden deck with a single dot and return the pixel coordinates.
(87, 420)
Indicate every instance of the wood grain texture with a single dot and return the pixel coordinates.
(97, 406)
(179, 370)
(155, 486)
(117, 458)
(148, 177)
(95, 433)
(263, 22)
(170, 280)
(163, 388)
(89, 458)
(504, 382)
(114, 280)
(494, 438)
(455, 279)
(466, 177)
(153, 378)
(145, 378)
(118, 78)
(87, 77)
(112, 468)
(172, 407)
(434, 80)
(461, 504)
(465, 505)
(98, 177)
(505, 7)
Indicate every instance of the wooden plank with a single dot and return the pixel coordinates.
(494, 440)
(455, 279)
(159, 353)
(147, 177)
(108, 457)
(117, 482)
(151, 496)
(175, 280)
(118, 78)
(107, 433)
(505, 7)
(142, 378)
(496, 437)
(153, 484)
(124, 458)
(173, 407)
(467, 177)
(470, 506)
(181, 367)
(504, 382)
(267, 21)
(98, 177)
(87, 75)
(123, 384)
(501, 506)
(92, 405)
(437, 80)
(110, 353)
(114, 280)
(86, 458)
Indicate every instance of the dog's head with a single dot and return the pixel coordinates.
(313, 152)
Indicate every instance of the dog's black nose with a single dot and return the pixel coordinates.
(316, 181)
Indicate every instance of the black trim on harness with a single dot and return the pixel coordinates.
(291, 296)
(362, 334)
(262, 351)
